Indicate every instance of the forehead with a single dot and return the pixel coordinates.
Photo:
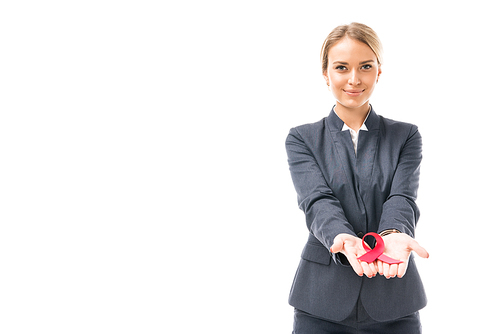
(350, 50)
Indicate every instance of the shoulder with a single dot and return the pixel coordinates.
(309, 130)
(391, 128)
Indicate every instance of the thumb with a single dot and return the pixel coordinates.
(338, 244)
(419, 250)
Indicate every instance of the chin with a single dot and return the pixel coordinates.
(352, 104)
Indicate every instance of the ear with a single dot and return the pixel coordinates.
(325, 75)
(379, 72)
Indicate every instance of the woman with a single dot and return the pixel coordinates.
(356, 172)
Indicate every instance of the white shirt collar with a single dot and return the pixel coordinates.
(355, 134)
(363, 127)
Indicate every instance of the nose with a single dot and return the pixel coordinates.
(354, 78)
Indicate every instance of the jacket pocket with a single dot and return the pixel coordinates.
(316, 253)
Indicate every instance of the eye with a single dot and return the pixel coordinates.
(341, 68)
(366, 67)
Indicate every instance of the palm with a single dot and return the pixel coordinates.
(399, 246)
(352, 248)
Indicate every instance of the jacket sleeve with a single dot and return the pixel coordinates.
(325, 217)
(400, 210)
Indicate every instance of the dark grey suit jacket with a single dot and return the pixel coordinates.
(340, 192)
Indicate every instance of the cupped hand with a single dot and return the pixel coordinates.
(399, 246)
(352, 248)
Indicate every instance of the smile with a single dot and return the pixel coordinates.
(354, 92)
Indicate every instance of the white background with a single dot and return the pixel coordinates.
(144, 183)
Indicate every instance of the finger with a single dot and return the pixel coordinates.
(373, 268)
(380, 267)
(402, 269)
(415, 246)
(386, 270)
(356, 266)
(393, 270)
(367, 269)
(338, 244)
(364, 265)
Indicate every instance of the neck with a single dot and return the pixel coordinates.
(353, 117)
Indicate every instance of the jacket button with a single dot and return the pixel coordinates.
(360, 234)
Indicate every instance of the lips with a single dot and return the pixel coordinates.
(354, 92)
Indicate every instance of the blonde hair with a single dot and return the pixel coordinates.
(357, 31)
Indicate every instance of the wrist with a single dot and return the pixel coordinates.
(387, 232)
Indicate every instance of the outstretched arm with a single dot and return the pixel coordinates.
(400, 210)
(325, 217)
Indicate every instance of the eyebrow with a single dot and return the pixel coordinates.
(346, 63)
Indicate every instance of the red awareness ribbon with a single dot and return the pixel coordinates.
(377, 251)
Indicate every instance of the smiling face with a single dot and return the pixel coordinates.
(352, 74)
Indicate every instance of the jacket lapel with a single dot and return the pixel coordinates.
(358, 169)
(343, 147)
(368, 142)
